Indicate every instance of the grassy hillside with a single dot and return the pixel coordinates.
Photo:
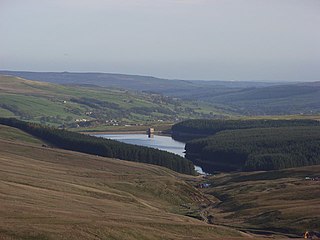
(54, 194)
(276, 201)
(238, 97)
(303, 98)
(181, 88)
(90, 105)
(14, 134)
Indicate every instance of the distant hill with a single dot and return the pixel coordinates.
(239, 97)
(134, 82)
(299, 98)
(85, 105)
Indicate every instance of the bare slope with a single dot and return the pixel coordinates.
(14, 134)
(53, 194)
(277, 201)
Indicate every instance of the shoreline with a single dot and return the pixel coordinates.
(112, 132)
(159, 133)
(197, 168)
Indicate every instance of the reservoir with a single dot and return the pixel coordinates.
(160, 142)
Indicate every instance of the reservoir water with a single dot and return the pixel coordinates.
(160, 142)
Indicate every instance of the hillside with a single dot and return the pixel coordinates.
(48, 193)
(250, 144)
(75, 106)
(196, 128)
(286, 201)
(257, 149)
(137, 83)
(98, 146)
(302, 98)
(14, 134)
(237, 97)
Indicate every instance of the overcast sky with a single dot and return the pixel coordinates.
(178, 39)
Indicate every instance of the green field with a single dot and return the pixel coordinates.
(246, 98)
(90, 106)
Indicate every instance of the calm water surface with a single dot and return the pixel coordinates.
(160, 142)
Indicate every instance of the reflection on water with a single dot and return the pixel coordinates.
(160, 142)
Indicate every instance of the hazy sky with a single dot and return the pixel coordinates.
(186, 39)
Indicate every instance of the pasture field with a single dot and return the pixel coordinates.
(84, 106)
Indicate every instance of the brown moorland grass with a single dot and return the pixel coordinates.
(14, 134)
(15, 85)
(276, 201)
(48, 193)
(54, 194)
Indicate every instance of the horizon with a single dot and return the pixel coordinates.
(170, 39)
(169, 79)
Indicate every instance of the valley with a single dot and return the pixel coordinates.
(51, 193)
(159, 120)
(48, 193)
(89, 197)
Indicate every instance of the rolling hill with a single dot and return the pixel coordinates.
(302, 98)
(237, 97)
(136, 82)
(76, 105)
(47, 193)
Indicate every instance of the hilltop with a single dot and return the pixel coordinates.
(136, 82)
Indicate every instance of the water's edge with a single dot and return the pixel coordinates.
(165, 143)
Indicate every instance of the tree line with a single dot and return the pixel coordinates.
(192, 129)
(257, 149)
(103, 147)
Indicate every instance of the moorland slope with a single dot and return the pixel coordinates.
(48, 193)
(284, 201)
